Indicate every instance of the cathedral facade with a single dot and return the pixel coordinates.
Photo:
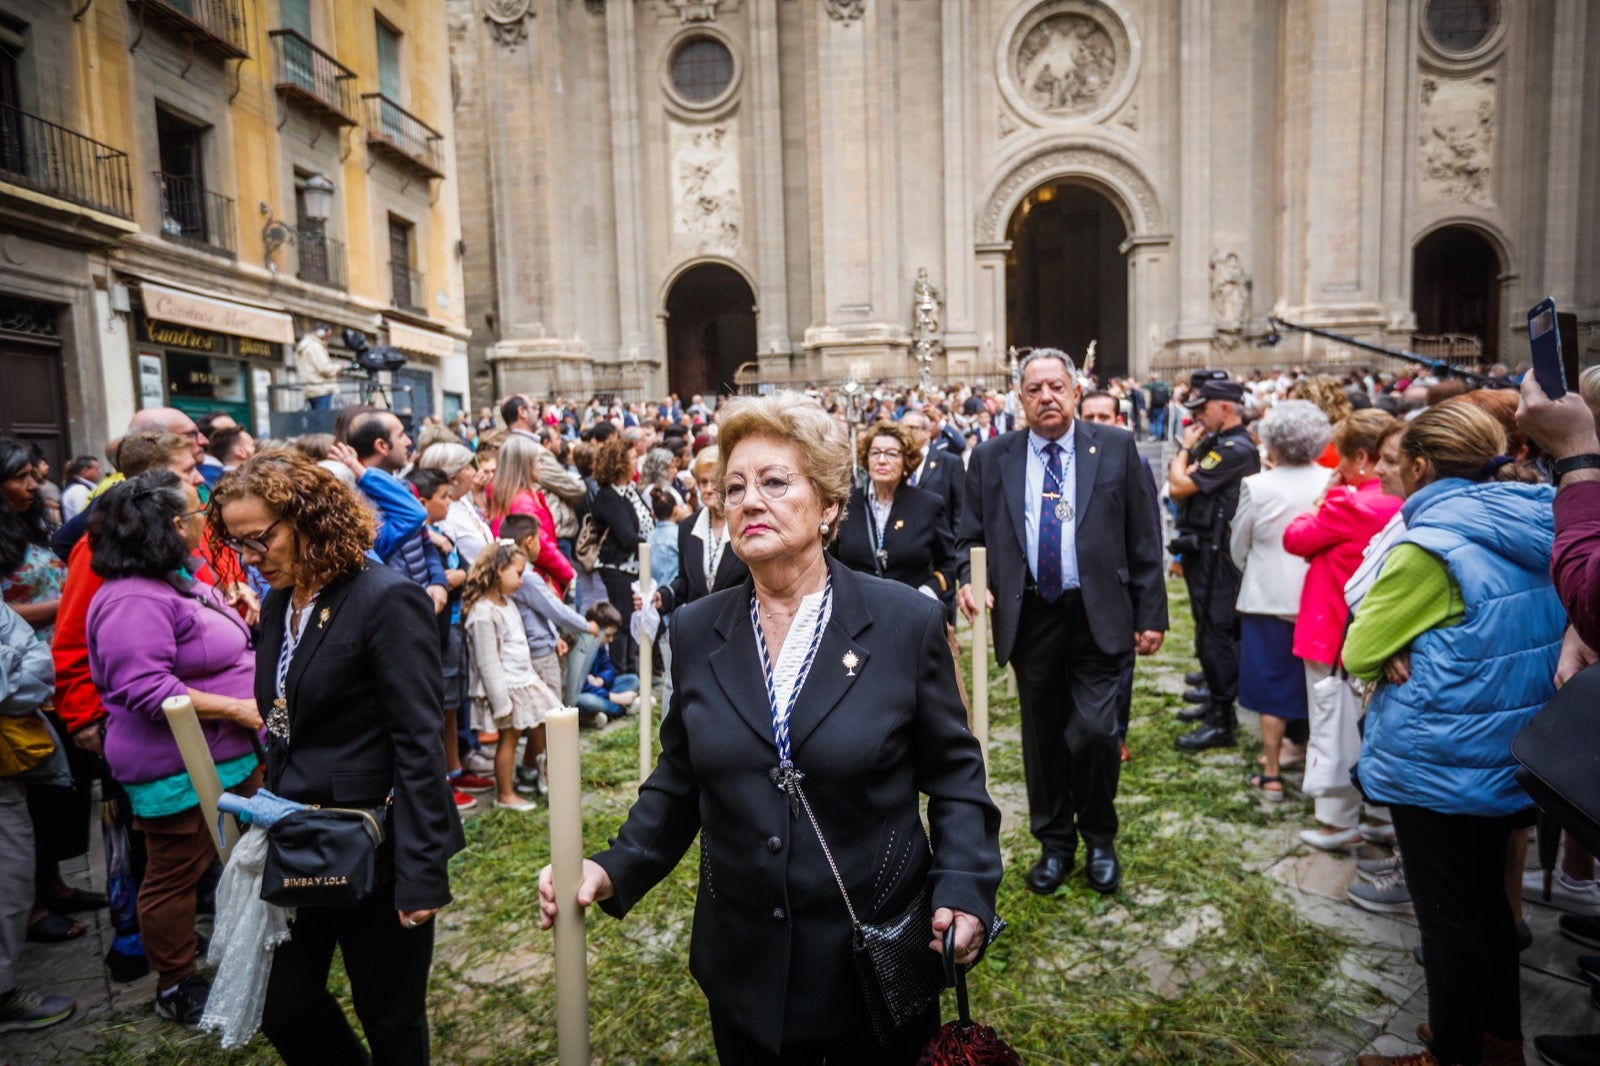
(709, 194)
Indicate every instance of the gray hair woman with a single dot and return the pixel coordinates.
(806, 669)
(1294, 433)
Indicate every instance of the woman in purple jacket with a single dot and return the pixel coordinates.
(154, 633)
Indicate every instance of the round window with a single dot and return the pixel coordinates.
(1460, 25)
(702, 69)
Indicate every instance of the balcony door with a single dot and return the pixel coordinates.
(298, 65)
(12, 150)
(183, 183)
(400, 264)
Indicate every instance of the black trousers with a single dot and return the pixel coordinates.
(388, 966)
(1455, 868)
(1070, 693)
(619, 590)
(1213, 589)
(859, 1048)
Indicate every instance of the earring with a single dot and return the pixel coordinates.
(824, 529)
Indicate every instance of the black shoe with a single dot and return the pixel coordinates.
(1195, 679)
(1102, 870)
(1584, 928)
(1195, 712)
(1048, 873)
(125, 968)
(1524, 937)
(1207, 736)
(187, 1001)
(1197, 695)
(1569, 1050)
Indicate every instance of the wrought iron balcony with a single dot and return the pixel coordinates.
(218, 25)
(321, 258)
(50, 159)
(191, 215)
(308, 76)
(406, 288)
(396, 132)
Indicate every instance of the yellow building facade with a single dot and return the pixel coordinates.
(189, 187)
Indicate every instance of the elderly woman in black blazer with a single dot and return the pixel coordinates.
(891, 529)
(348, 676)
(848, 679)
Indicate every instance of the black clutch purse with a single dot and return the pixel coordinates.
(323, 857)
(1559, 750)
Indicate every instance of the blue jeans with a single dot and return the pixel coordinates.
(589, 703)
(320, 403)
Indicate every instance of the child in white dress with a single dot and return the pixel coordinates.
(507, 694)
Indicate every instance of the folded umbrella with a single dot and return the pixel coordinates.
(964, 1042)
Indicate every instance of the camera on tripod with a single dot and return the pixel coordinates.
(369, 358)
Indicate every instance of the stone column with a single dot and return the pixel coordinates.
(766, 105)
(989, 299)
(1149, 277)
(628, 185)
(1562, 201)
(961, 338)
(1194, 188)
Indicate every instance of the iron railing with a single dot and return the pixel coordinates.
(321, 258)
(306, 74)
(53, 160)
(191, 215)
(396, 131)
(216, 24)
(406, 287)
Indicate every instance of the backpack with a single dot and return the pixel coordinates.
(586, 549)
(1160, 395)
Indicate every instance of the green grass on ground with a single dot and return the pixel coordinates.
(1198, 960)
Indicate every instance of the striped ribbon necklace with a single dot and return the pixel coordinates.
(784, 776)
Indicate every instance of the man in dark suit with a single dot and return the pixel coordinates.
(933, 469)
(1069, 520)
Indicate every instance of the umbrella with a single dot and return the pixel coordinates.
(964, 1042)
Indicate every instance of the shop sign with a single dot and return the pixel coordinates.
(212, 314)
(421, 341)
(181, 337)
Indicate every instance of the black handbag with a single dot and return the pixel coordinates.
(898, 973)
(1559, 750)
(323, 857)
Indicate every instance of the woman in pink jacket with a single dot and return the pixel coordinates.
(1331, 538)
(516, 491)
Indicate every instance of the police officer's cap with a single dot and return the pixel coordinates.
(1217, 388)
(1200, 377)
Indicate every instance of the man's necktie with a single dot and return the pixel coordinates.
(1048, 570)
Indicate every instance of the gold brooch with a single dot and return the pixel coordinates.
(899, 523)
(322, 619)
(850, 663)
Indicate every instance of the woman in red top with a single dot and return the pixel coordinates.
(516, 491)
(1331, 538)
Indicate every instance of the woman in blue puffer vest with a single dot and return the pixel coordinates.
(1463, 628)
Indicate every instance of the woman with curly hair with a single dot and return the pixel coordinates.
(349, 679)
(30, 574)
(624, 519)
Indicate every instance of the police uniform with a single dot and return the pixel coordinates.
(1220, 461)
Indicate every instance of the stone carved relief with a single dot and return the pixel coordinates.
(1455, 137)
(1066, 63)
(708, 211)
(846, 11)
(926, 333)
(1230, 298)
(1008, 125)
(695, 10)
(508, 20)
(1125, 183)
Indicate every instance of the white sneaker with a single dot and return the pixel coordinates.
(1336, 840)
(476, 762)
(1582, 897)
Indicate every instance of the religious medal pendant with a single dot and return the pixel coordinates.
(787, 778)
(1063, 510)
(883, 559)
(278, 719)
(850, 662)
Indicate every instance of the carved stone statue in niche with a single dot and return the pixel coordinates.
(1455, 137)
(508, 20)
(1066, 63)
(1230, 298)
(695, 10)
(705, 176)
(846, 11)
(926, 340)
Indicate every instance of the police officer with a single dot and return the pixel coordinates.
(1203, 478)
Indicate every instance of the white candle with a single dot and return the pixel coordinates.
(566, 867)
(185, 725)
(646, 749)
(980, 651)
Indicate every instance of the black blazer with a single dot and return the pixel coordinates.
(943, 475)
(1116, 528)
(917, 539)
(690, 584)
(364, 691)
(616, 514)
(771, 940)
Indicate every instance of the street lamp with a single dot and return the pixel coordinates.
(316, 202)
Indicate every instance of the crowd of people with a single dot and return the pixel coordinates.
(362, 619)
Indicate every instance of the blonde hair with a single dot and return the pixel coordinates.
(449, 458)
(517, 471)
(795, 418)
(1458, 440)
(483, 576)
(1326, 392)
(1362, 431)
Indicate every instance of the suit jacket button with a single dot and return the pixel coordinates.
(777, 914)
(774, 845)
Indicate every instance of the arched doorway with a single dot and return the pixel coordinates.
(1067, 277)
(711, 329)
(1455, 282)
